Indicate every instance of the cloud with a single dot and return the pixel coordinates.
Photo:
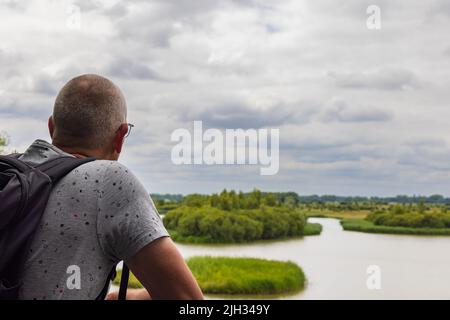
(439, 8)
(243, 115)
(447, 51)
(14, 5)
(44, 84)
(9, 60)
(383, 79)
(156, 22)
(130, 69)
(340, 111)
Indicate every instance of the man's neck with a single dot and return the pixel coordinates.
(81, 153)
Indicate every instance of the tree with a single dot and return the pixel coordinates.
(421, 207)
(290, 201)
(234, 199)
(195, 200)
(269, 200)
(214, 200)
(242, 200)
(225, 202)
(254, 199)
(3, 141)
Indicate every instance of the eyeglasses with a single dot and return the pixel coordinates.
(130, 126)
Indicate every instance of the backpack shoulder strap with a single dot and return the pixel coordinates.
(124, 282)
(15, 162)
(111, 276)
(16, 155)
(61, 166)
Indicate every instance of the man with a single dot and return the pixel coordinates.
(99, 214)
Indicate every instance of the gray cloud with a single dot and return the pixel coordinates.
(44, 84)
(9, 63)
(14, 5)
(242, 115)
(155, 21)
(447, 52)
(117, 10)
(340, 111)
(439, 8)
(383, 79)
(88, 6)
(131, 69)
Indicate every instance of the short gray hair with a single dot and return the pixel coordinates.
(88, 112)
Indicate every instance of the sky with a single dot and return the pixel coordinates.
(360, 111)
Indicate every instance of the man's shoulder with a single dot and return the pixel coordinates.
(110, 174)
(103, 166)
(102, 171)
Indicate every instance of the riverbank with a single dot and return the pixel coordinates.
(243, 276)
(362, 225)
(357, 214)
(310, 229)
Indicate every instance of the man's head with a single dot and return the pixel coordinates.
(89, 118)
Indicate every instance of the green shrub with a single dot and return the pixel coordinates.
(411, 217)
(364, 225)
(240, 225)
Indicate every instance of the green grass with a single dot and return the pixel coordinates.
(243, 276)
(356, 214)
(363, 225)
(311, 229)
(222, 275)
(133, 282)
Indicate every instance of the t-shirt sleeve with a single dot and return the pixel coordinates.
(127, 219)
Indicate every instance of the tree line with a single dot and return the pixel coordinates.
(294, 199)
(413, 216)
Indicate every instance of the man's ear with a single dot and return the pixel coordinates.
(51, 126)
(120, 137)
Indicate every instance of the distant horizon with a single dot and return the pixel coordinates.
(308, 195)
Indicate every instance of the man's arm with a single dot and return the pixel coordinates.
(133, 227)
(163, 272)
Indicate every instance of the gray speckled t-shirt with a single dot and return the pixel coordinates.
(96, 216)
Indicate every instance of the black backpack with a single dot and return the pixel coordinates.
(24, 192)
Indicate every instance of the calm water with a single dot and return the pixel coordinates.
(335, 263)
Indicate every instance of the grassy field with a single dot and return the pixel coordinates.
(246, 276)
(359, 214)
(363, 225)
(133, 282)
(311, 229)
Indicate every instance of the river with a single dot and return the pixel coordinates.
(336, 263)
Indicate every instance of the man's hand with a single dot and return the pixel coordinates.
(132, 294)
(162, 270)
